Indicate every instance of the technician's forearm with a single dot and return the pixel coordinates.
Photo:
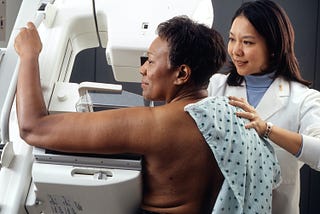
(288, 140)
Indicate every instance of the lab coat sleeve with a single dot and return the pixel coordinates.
(310, 129)
(310, 153)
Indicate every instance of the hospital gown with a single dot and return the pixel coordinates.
(248, 162)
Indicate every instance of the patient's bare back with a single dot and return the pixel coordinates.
(180, 172)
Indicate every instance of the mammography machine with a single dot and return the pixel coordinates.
(35, 180)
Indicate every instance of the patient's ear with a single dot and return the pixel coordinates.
(183, 74)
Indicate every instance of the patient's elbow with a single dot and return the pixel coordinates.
(26, 131)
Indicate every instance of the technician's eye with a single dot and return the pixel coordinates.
(248, 42)
(231, 39)
(143, 59)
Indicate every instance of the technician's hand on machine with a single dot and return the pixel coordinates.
(249, 113)
(27, 42)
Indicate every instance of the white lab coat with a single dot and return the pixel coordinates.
(292, 106)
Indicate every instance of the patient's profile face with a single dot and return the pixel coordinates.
(157, 75)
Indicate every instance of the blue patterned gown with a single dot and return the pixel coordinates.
(248, 162)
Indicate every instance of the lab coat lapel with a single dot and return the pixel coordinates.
(237, 91)
(274, 98)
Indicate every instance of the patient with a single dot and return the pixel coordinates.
(195, 149)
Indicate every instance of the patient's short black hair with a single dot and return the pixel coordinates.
(194, 44)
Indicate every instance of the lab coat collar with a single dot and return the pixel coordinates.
(274, 99)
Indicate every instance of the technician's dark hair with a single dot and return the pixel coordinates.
(272, 23)
(195, 45)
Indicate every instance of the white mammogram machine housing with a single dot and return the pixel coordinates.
(34, 180)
